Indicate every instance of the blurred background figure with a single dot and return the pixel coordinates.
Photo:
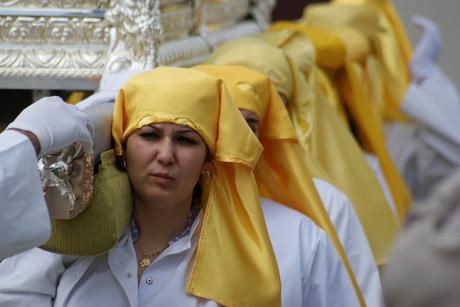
(424, 269)
(426, 149)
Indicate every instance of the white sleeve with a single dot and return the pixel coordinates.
(436, 104)
(422, 156)
(354, 241)
(24, 218)
(442, 146)
(325, 279)
(30, 279)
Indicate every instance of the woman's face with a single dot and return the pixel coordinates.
(164, 162)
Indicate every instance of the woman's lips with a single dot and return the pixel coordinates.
(162, 178)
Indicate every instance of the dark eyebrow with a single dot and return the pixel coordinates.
(187, 131)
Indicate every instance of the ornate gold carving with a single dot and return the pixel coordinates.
(53, 30)
(66, 63)
(87, 4)
(177, 21)
(222, 13)
(129, 37)
(138, 31)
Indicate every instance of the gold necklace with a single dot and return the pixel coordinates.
(145, 261)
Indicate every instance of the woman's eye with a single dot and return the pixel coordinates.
(186, 140)
(149, 135)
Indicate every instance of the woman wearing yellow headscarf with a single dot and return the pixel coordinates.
(192, 241)
(323, 137)
(331, 55)
(351, 84)
(282, 176)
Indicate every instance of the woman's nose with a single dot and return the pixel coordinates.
(165, 152)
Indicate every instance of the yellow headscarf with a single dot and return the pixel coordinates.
(387, 7)
(234, 262)
(324, 137)
(390, 41)
(272, 171)
(355, 88)
(281, 172)
(328, 51)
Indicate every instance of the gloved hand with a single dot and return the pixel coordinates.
(56, 124)
(428, 49)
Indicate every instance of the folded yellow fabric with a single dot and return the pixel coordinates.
(328, 51)
(390, 41)
(99, 227)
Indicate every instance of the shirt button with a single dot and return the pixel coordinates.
(149, 281)
(129, 275)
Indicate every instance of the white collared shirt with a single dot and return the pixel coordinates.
(24, 218)
(354, 241)
(310, 269)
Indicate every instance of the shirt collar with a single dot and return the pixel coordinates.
(189, 229)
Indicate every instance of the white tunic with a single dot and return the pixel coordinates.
(24, 219)
(427, 151)
(419, 155)
(310, 269)
(354, 241)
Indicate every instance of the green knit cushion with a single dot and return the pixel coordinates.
(102, 224)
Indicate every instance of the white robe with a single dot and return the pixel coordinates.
(310, 269)
(24, 218)
(428, 150)
(354, 241)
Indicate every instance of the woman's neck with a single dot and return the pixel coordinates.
(158, 226)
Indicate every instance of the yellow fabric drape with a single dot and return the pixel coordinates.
(281, 172)
(356, 92)
(324, 137)
(234, 262)
(391, 43)
(75, 97)
(231, 53)
(387, 7)
(330, 54)
(370, 131)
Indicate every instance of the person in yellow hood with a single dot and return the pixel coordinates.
(323, 137)
(282, 176)
(357, 93)
(197, 235)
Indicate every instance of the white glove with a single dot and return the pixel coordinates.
(56, 124)
(428, 49)
(435, 103)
